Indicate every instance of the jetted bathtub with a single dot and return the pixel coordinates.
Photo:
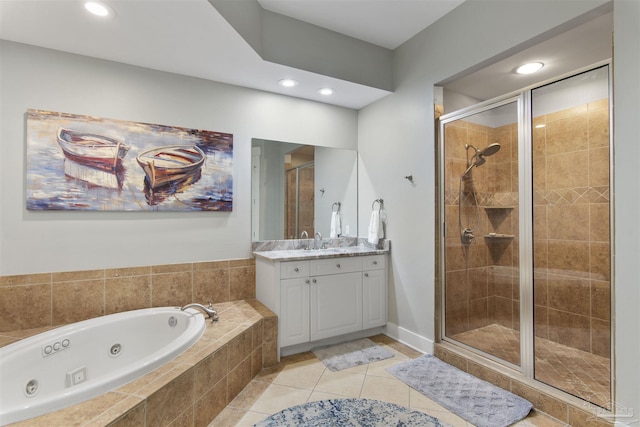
(73, 363)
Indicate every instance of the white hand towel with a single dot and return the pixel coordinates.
(336, 225)
(375, 228)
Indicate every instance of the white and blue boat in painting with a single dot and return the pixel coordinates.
(90, 149)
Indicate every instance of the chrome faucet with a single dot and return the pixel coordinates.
(304, 234)
(209, 310)
(317, 237)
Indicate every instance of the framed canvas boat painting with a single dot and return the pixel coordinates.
(77, 162)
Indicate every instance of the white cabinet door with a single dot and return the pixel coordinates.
(336, 305)
(294, 311)
(374, 295)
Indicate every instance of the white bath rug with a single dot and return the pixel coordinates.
(350, 354)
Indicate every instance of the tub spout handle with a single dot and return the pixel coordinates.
(209, 311)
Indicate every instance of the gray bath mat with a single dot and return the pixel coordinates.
(473, 399)
(350, 354)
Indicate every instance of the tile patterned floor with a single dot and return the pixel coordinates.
(575, 371)
(303, 378)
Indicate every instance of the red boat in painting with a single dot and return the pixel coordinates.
(170, 164)
(90, 149)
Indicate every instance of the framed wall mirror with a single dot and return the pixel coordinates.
(297, 187)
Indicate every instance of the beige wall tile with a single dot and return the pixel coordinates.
(211, 285)
(238, 378)
(127, 272)
(239, 348)
(210, 371)
(76, 301)
(569, 257)
(567, 170)
(127, 293)
(169, 402)
(599, 222)
(567, 135)
(601, 300)
(599, 126)
(570, 294)
(26, 279)
(171, 289)
(242, 282)
(601, 337)
(69, 276)
(17, 305)
(599, 167)
(541, 401)
(171, 268)
(207, 407)
(570, 329)
(568, 222)
(600, 261)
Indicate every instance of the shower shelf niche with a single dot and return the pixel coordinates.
(498, 207)
(499, 236)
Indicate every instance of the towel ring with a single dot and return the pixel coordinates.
(334, 205)
(379, 201)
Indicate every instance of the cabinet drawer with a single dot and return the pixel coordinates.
(320, 267)
(373, 262)
(293, 269)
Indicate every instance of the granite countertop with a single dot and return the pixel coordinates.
(294, 249)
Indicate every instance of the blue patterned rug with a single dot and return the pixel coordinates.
(349, 413)
(477, 401)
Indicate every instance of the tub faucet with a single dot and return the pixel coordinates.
(304, 234)
(317, 238)
(209, 310)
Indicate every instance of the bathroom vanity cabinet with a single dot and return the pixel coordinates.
(316, 299)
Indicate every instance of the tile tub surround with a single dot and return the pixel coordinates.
(66, 297)
(191, 389)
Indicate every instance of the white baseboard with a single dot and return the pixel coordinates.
(413, 340)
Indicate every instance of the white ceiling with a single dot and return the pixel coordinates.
(386, 23)
(190, 37)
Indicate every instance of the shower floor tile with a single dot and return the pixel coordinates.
(574, 371)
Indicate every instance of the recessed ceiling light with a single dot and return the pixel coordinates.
(288, 82)
(98, 8)
(529, 68)
(326, 91)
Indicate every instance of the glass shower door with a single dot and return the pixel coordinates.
(481, 262)
(571, 235)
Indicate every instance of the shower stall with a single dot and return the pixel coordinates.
(525, 202)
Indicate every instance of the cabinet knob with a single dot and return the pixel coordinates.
(306, 281)
(296, 269)
(314, 281)
(338, 265)
(375, 262)
(366, 274)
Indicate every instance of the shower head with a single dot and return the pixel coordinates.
(489, 150)
(478, 157)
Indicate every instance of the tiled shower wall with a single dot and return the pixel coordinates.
(571, 230)
(482, 278)
(51, 299)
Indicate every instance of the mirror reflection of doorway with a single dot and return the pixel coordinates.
(299, 192)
